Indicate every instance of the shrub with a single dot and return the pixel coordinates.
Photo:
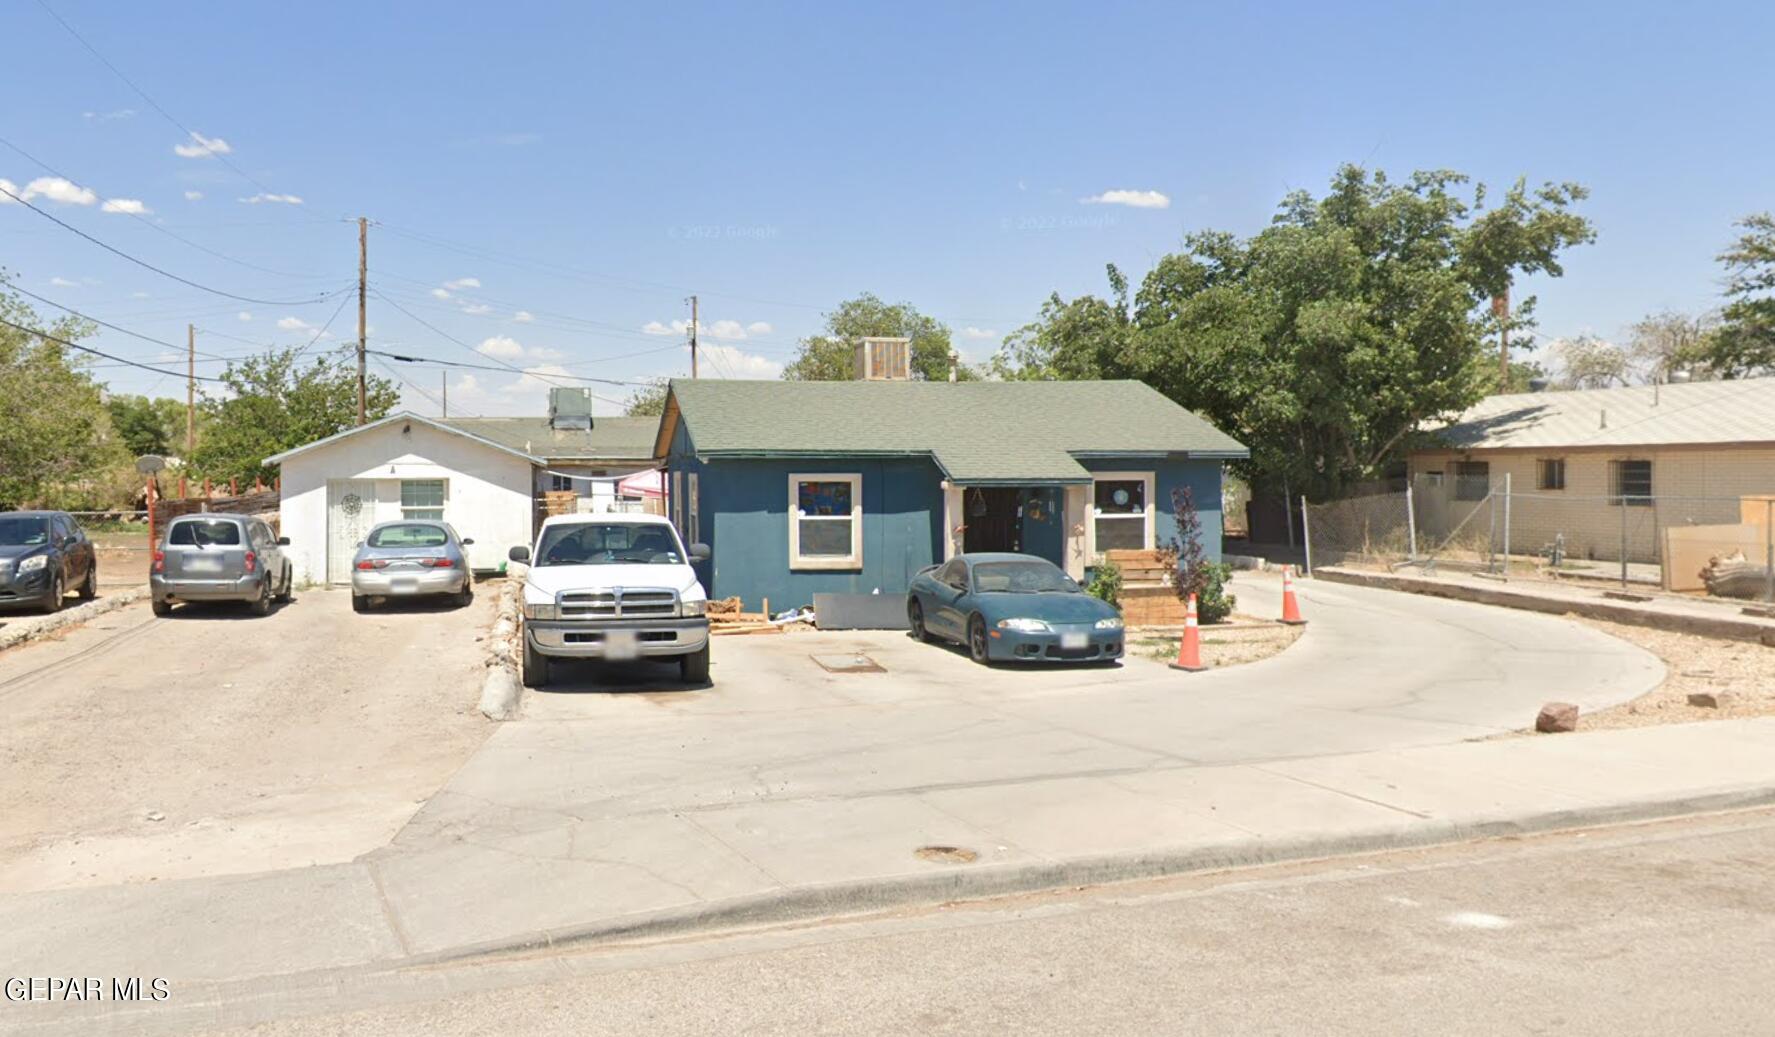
(1196, 574)
(1106, 583)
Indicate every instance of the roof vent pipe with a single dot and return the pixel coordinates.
(954, 359)
(1605, 419)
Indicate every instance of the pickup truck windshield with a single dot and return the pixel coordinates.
(608, 543)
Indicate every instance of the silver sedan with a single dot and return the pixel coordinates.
(410, 558)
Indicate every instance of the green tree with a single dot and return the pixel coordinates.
(831, 355)
(1744, 344)
(57, 448)
(648, 401)
(1665, 342)
(148, 425)
(1588, 362)
(276, 401)
(1324, 341)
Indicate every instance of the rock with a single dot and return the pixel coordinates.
(1710, 699)
(154, 815)
(1556, 717)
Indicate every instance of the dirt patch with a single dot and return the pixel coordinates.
(1241, 639)
(1697, 665)
(214, 742)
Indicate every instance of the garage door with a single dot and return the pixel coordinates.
(351, 511)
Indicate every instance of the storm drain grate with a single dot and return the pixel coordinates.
(854, 662)
(946, 854)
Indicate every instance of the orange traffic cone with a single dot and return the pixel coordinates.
(1189, 650)
(1290, 607)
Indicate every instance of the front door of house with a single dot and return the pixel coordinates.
(992, 519)
(351, 511)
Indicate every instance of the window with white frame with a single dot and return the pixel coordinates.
(825, 521)
(1121, 512)
(695, 535)
(677, 502)
(422, 499)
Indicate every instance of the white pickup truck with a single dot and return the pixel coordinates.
(613, 587)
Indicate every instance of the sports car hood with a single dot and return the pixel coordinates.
(1050, 608)
(545, 581)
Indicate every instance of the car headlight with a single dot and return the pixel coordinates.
(1112, 623)
(693, 608)
(33, 563)
(546, 610)
(1024, 626)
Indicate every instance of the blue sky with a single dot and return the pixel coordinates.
(588, 166)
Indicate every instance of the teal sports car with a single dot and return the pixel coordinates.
(1012, 608)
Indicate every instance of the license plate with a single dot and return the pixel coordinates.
(1073, 639)
(203, 565)
(621, 644)
(403, 586)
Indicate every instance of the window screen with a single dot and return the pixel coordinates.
(1550, 473)
(1631, 482)
(422, 499)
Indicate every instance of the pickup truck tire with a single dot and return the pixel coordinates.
(536, 667)
(694, 668)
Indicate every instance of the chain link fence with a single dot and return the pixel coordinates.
(1712, 545)
(120, 544)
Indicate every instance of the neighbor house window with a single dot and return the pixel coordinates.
(422, 499)
(677, 495)
(1631, 482)
(825, 521)
(1550, 473)
(1121, 512)
(690, 500)
(559, 483)
(1472, 480)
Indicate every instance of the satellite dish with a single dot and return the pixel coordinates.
(148, 464)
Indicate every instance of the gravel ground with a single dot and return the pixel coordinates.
(213, 742)
(1696, 664)
(1241, 639)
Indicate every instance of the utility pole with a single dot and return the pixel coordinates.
(1500, 308)
(444, 377)
(190, 391)
(363, 284)
(693, 336)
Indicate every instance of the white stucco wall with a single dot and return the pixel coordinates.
(487, 494)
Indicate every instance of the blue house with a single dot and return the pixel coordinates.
(852, 487)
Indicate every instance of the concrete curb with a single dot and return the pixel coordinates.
(1730, 628)
(870, 895)
(502, 694)
(55, 621)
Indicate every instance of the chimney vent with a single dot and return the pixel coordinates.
(570, 409)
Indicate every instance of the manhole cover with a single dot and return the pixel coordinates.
(946, 854)
(853, 662)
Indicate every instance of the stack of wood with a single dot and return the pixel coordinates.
(559, 502)
(728, 616)
(1149, 592)
(1734, 576)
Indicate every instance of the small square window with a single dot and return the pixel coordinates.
(1550, 473)
(1631, 483)
(558, 483)
(422, 499)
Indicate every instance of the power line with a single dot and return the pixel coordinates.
(345, 297)
(543, 375)
(47, 337)
(149, 266)
(138, 217)
(100, 323)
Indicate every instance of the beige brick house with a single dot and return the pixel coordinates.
(1600, 467)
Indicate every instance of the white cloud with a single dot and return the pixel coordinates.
(244, 315)
(282, 199)
(1132, 199)
(62, 282)
(979, 333)
(140, 295)
(732, 362)
(121, 113)
(524, 317)
(654, 327)
(439, 293)
(731, 330)
(9, 188)
(194, 196)
(126, 206)
(531, 382)
(298, 324)
(503, 347)
(201, 146)
(56, 189)
(759, 327)
(477, 309)
(463, 282)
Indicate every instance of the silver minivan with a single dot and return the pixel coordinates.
(215, 557)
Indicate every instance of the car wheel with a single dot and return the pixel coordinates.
(261, 605)
(536, 666)
(162, 609)
(915, 620)
(466, 596)
(89, 587)
(56, 593)
(977, 639)
(360, 603)
(284, 595)
(694, 668)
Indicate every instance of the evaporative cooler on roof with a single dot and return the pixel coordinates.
(884, 360)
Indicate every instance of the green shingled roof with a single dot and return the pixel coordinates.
(610, 439)
(978, 432)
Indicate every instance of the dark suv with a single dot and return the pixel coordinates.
(42, 555)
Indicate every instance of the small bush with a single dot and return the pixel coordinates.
(1196, 574)
(1106, 583)
(1213, 603)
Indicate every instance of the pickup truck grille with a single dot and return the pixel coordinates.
(618, 603)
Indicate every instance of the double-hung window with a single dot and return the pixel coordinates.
(1550, 473)
(422, 499)
(1121, 512)
(825, 521)
(1631, 483)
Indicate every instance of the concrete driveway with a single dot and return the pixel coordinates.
(215, 742)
